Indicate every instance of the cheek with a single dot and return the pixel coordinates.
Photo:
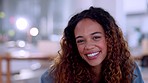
(103, 44)
(80, 49)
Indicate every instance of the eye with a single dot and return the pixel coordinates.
(96, 37)
(80, 41)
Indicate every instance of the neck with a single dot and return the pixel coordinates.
(97, 71)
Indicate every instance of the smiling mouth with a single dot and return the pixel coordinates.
(93, 54)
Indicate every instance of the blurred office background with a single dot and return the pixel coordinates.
(34, 28)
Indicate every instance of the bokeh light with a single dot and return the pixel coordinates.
(21, 23)
(34, 31)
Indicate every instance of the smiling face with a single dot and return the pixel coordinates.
(90, 40)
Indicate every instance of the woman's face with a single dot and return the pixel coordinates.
(90, 40)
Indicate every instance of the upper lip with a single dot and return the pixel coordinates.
(91, 52)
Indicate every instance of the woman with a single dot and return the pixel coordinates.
(93, 50)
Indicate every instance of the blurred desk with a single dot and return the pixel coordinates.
(19, 55)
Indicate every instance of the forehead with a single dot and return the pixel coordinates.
(87, 26)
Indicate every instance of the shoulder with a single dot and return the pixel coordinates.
(46, 77)
(137, 75)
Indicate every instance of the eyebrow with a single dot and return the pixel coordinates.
(96, 33)
(90, 34)
(78, 37)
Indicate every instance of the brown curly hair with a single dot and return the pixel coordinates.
(117, 67)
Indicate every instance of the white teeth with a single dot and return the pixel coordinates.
(93, 54)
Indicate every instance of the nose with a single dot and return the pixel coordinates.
(89, 45)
